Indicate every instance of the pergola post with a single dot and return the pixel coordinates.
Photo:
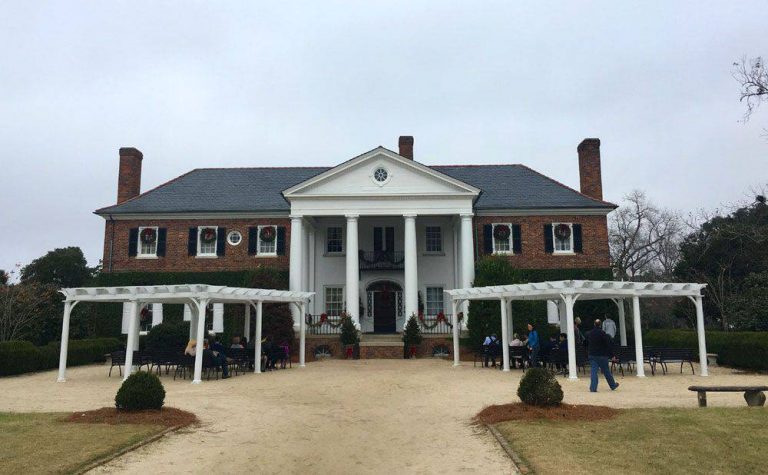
(257, 339)
(302, 334)
(64, 342)
(192, 322)
(639, 361)
(132, 338)
(201, 305)
(455, 304)
(247, 322)
(700, 333)
(510, 320)
(504, 334)
(572, 370)
(622, 323)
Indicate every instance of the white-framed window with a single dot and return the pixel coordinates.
(267, 246)
(334, 301)
(501, 245)
(434, 301)
(334, 240)
(434, 239)
(147, 242)
(234, 238)
(562, 238)
(380, 175)
(206, 247)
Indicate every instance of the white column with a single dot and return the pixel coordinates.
(192, 320)
(133, 324)
(257, 339)
(137, 327)
(201, 334)
(572, 371)
(702, 338)
(456, 259)
(467, 259)
(302, 336)
(157, 314)
(64, 342)
(296, 262)
(218, 318)
(456, 306)
(638, 337)
(510, 319)
(305, 258)
(247, 322)
(504, 335)
(311, 269)
(622, 323)
(353, 271)
(411, 291)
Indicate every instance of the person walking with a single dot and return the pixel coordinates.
(533, 345)
(599, 350)
(609, 327)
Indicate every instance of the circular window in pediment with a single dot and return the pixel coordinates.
(380, 175)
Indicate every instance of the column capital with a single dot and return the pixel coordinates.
(296, 216)
(351, 216)
(467, 215)
(409, 215)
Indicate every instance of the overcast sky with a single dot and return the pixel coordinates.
(201, 84)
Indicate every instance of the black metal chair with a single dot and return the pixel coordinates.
(117, 359)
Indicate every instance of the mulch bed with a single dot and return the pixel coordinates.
(564, 412)
(167, 416)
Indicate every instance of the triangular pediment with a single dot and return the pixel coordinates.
(380, 172)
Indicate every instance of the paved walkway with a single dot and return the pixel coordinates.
(368, 416)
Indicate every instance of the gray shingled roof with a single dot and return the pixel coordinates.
(260, 190)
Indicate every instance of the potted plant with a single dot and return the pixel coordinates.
(411, 337)
(349, 336)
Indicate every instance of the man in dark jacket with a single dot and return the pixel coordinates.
(600, 350)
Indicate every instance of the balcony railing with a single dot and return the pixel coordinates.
(435, 325)
(323, 324)
(381, 260)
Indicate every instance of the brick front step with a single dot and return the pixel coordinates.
(376, 347)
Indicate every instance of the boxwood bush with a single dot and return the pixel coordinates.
(140, 391)
(17, 357)
(538, 387)
(748, 350)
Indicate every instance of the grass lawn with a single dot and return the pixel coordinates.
(711, 440)
(43, 443)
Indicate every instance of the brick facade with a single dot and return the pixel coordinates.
(177, 259)
(533, 256)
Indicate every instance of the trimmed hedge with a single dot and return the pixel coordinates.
(18, 357)
(139, 392)
(538, 387)
(748, 350)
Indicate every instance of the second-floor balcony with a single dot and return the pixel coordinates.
(381, 260)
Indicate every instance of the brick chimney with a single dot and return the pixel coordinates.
(589, 168)
(129, 175)
(406, 146)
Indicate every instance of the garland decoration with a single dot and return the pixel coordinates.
(148, 235)
(208, 235)
(333, 322)
(501, 232)
(267, 234)
(431, 325)
(562, 232)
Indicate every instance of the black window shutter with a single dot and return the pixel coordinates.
(390, 238)
(377, 247)
(221, 238)
(133, 242)
(192, 243)
(577, 239)
(281, 240)
(253, 240)
(162, 237)
(517, 240)
(488, 238)
(549, 242)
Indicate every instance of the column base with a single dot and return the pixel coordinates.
(61, 380)
(197, 381)
(641, 376)
(456, 364)
(573, 378)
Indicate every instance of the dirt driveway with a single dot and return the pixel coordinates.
(367, 416)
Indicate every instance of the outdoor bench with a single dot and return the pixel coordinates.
(752, 394)
(674, 355)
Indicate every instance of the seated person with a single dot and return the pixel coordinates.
(547, 347)
(218, 359)
(216, 345)
(244, 342)
(269, 350)
(516, 341)
(236, 343)
(562, 343)
(191, 348)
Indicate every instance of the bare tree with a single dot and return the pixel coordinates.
(752, 77)
(644, 239)
(22, 305)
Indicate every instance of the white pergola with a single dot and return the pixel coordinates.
(197, 297)
(569, 291)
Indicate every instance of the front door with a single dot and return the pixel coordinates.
(384, 311)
